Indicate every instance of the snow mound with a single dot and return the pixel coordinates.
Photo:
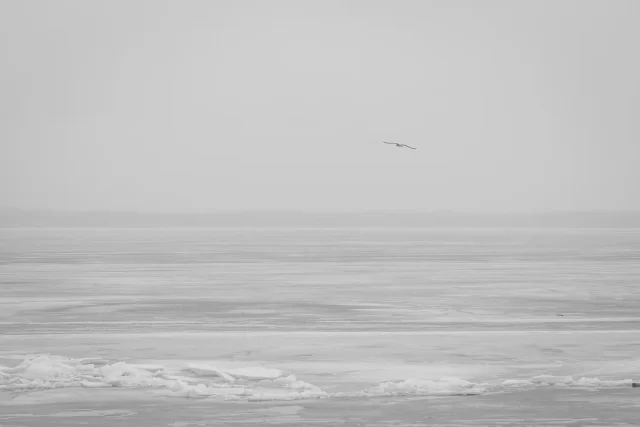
(446, 386)
(249, 383)
(39, 372)
(568, 381)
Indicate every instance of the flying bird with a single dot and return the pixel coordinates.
(399, 145)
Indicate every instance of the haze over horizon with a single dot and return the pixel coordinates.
(391, 211)
(168, 106)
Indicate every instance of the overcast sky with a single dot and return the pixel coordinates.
(203, 105)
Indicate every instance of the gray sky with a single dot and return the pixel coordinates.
(202, 105)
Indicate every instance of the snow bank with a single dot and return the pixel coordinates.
(251, 383)
(38, 372)
(551, 380)
(444, 387)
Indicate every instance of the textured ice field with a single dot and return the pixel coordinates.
(233, 316)
(303, 365)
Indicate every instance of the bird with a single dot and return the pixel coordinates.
(399, 145)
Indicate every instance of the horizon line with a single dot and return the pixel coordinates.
(313, 212)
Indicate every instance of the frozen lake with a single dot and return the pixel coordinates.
(252, 326)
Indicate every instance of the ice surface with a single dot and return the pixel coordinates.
(251, 373)
(231, 315)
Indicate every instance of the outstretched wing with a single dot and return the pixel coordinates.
(399, 145)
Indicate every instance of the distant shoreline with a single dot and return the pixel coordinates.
(17, 218)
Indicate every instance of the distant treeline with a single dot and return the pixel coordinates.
(24, 218)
